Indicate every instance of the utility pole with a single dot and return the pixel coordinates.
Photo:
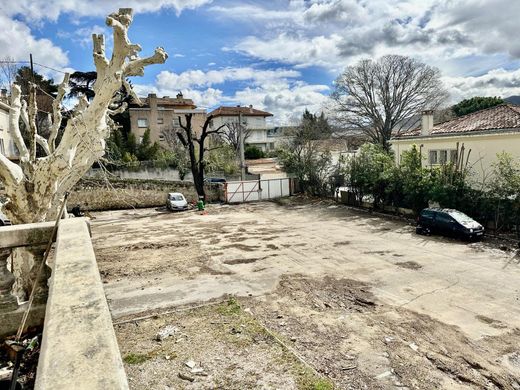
(32, 67)
(241, 147)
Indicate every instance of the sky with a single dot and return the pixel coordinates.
(281, 56)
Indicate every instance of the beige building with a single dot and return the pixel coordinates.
(483, 134)
(252, 119)
(7, 147)
(162, 114)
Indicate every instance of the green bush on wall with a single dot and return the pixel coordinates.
(252, 152)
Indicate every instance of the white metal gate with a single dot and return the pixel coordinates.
(255, 190)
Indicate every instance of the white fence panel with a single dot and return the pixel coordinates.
(255, 190)
(275, 188)
(243, 191)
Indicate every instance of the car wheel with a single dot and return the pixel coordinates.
(419, 230)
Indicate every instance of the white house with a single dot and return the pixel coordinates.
(252, 119)
(483, 134)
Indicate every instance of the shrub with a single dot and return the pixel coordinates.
(253, 153)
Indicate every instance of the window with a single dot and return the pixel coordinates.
(453, 155)
(443, 156)
(160, 121)
(427, 214)
(2, 149)
(432, 157)
(142, 122)
(176, 122)
(443, 217)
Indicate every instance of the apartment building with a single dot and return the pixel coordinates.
(163, 114)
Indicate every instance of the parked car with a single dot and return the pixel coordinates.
(4, 221)
(214, 180)
(176, 202)
(448, 222)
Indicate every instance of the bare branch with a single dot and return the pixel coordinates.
(43, 143)
(10, 173)
(33, 130)
(14, 120)
(100, 60)
(136, 67)
(131, 92)
(56, 109)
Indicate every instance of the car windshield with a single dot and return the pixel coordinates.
(176, 197)
(460, 217)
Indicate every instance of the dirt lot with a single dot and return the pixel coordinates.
(325, 296)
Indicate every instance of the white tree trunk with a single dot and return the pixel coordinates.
(36, 187)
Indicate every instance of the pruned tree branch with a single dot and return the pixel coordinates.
(14, 122)
(56, 109)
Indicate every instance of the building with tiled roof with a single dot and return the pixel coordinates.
(483, 134)
(254, 120)
(235, 111)
(161, 114)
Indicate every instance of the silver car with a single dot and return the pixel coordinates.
(176, 202)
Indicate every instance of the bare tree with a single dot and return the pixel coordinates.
(380, 98)
(35, 187)
(8, 70)
(197, 148)
(232, 134)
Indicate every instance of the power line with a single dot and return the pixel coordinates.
(35, 63)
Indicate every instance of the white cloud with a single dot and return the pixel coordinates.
(285, 101)
(497, 82)
(336, 33)
(36, 10)
(293, 49)
(198, 78)
(83, 35)
(17, 41)
(278, 91)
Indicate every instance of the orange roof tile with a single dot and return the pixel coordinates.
(501, 117)
(246, 111)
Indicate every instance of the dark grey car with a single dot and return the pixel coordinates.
(448, 222)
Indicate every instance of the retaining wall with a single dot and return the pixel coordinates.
(97, 194)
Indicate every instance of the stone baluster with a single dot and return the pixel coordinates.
(8, 301)
(42, 287)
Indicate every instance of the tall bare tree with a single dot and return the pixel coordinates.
(197, 148)
(35, 187)
(382, 98)
(232, 134)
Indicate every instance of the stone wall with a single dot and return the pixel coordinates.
(97, 194)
